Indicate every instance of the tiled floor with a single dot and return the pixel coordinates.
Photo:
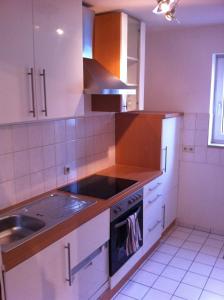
(188, 264)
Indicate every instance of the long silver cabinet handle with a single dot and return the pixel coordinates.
(155, 187)
(43, 75)
(69, 279)
(154, 199)
(154, 226)
(165, 165)
(164, 216)
(32, 111)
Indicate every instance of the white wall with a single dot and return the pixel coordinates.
(178, 72)
(178, 68)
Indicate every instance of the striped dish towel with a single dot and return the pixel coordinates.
(133, 234)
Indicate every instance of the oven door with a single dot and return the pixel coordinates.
(118, 238)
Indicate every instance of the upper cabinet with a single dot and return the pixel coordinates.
(119, 45)
(41, 68)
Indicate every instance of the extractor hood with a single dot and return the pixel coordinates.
(97, 80)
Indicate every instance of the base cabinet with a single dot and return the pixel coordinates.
(153, 214)
(48, 274)
(170, 206)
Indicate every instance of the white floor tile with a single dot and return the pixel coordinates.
(176, 298)
(210, 296)
(134, 290)
(191, 246)
(180, 235)
(184, 229)
(216, 237)
(186, 253)
(161, 257)
(173, 273)
(201, 269)
(215, 286)
(214, 243)
(166, 285)
(157, 295)
(174, 241)
(188, 292)
(220, 263)
(122, 297)
(221, 253)
(153, 267)
(145, 278)
(195, 280)
(197, 238)
(200, 233)
(217, 274)
(210, 250)
(180, 263)
(205, 259)
(168, 249)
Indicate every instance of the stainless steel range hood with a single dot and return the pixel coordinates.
(97, 80)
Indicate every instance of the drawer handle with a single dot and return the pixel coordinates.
(155, 199)
(155, 187)
(88, 265)
(154, 226)
(69, 279)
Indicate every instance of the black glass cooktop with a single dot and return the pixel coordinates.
(98, 186)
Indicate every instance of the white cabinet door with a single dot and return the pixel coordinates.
(41, 277)
(16, 61)
(170, 206)
(58, 57)
(170, 152)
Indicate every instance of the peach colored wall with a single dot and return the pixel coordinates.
(178, 67)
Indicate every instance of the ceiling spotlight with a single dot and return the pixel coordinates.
(163, 6)
(167, 8)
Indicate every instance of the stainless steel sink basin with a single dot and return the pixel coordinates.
(28, 221)
(16, 227)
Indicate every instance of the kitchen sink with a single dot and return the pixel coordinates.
(16, 227)
(24, 223)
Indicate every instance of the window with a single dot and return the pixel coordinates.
(216, 124)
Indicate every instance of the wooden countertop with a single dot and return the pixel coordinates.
(46, 238)
(158, 114)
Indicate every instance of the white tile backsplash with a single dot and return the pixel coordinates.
(190, 121)
(33, 156)
(195, 134)
(5, 140)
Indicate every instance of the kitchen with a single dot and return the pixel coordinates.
(77, 170)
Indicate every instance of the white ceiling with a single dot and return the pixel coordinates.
(189, 12)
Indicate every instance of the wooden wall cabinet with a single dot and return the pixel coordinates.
(41, 71)
(119, 45)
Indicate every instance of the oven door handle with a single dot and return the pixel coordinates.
(118, 225)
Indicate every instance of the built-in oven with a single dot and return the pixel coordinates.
(126, 230)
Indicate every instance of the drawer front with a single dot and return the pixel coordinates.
(89, 237)
(153, 214)
(152, 187)
(92, 275)
(152, 236)
(153, 199)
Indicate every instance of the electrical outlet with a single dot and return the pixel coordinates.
(188, 148)
(66, 170)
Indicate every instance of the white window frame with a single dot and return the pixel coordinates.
(216, 120)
